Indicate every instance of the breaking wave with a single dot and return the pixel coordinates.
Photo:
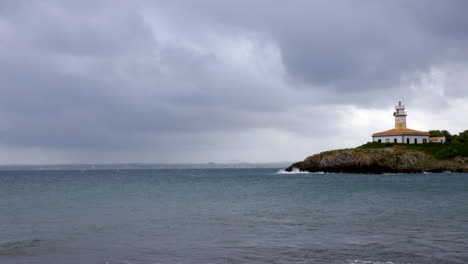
(297, 171)
(370, 262)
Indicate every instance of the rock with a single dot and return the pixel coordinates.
(379, 160)
(461, 159)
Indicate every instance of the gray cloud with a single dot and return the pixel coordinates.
(344, 44)
(160, 81)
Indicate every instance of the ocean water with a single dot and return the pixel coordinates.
(231, 216)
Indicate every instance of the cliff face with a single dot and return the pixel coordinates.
(379, 160)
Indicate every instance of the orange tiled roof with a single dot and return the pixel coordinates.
(401, 131)
(435, 138)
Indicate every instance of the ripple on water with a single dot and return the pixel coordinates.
(19, 247)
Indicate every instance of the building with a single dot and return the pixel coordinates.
(401, 134)
(437, 139)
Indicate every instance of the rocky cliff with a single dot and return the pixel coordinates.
(395, 159)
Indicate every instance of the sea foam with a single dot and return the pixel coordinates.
(297, 171)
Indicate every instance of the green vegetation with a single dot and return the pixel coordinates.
(460, 138)
(377, 145)
(457, 146)
(442, 151)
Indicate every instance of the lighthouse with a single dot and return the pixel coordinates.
(401, 134)
(400, 116)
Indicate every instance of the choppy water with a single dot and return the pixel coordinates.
(232, 216)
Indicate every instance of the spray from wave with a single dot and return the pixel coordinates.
(370, 262)
(297, 171)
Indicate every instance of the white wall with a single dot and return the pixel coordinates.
(390, 139)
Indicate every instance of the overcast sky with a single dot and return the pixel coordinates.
(223, 81)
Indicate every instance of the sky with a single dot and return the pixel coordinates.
(223, 81)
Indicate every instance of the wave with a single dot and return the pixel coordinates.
(297, 171)
(370, 262)
(19, 247)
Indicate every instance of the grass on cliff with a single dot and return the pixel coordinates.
(439, 151)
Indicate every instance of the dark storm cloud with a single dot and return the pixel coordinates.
(176, 76)
(349, 45)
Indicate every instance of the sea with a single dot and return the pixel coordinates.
(233, 216)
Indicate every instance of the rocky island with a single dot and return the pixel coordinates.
(398, 150)
(389, 158)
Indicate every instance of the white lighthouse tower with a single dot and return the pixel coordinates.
(400, 116)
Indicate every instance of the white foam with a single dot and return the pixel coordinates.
(297, 171)
(370, 262)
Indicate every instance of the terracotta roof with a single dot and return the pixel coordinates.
(401, 131)
(435, 138)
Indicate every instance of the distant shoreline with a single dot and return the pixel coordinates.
(144, 166)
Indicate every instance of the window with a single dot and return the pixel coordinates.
(387, 140)
(424, 140)
(415, 141)
(407, 141)
(394, 140)
(380, 141)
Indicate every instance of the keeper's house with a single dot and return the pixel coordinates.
(437, 139)
(401, 134)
